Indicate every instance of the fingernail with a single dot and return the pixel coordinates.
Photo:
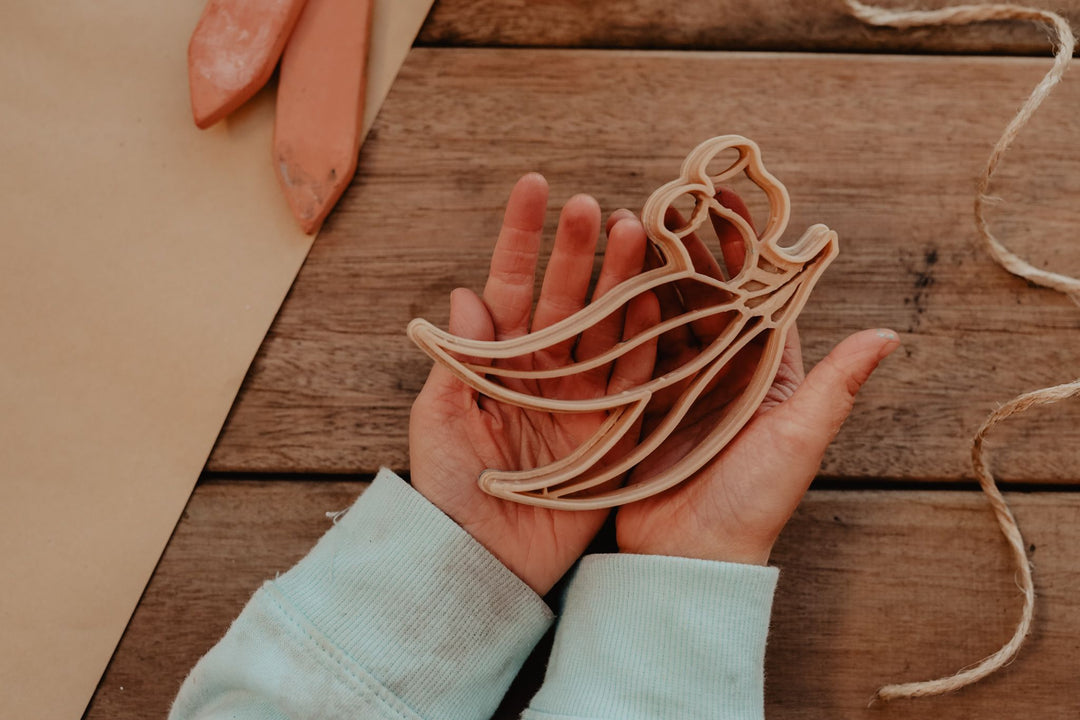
(455, 297)
(893, 342)
(584, 198)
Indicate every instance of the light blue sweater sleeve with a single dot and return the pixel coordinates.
(398, 613)
(645, 636)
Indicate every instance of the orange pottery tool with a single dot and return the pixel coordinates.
(757, 303)
(320, 106)
(233, 52)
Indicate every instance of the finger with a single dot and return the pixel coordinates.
(732, 243)
(789, 375)
(469, 319)
(623, 259)
(729, 383)
(792, 358)
(736, 375)
(678, 345)
(615, 217)
(636, 367)
(695, 294)
(632, 370)
(806, 423)
(566, 281)
(703, 259)
(671, 303)
(639, 365)
(509, 288)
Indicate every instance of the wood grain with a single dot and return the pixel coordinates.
(806, 25)
(885, 150)
(875, 587)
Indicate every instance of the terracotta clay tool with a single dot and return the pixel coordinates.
(320, 106)
(233, 52)
(761, 300)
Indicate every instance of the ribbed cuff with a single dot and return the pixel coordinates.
(418, 603)
(644, 636)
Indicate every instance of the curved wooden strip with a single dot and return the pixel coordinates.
(817, 26)
(615, 352)
(512, 484)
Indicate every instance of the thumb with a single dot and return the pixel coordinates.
(469, 319)
(809, 420)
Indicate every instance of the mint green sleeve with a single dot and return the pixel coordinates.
(397, 613)
(644, 636)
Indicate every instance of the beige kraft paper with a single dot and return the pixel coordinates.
(142, 262)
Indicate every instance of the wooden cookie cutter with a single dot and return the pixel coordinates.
(762, 299)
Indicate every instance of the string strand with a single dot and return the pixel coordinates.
(1061, 37)
(1063, 41)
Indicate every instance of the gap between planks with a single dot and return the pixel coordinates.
(822, 483)
(809, 25)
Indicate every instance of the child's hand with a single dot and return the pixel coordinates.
(734, 508)
(454, 435)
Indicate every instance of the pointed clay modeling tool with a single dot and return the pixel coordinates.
(758, 303)
(233, 51)
(320, 105)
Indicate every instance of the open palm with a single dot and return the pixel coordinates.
(734, 508)
(454, 434)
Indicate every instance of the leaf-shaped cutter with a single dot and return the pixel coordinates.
(764, 297)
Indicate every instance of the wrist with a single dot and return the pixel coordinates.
(486, 520)
(540, 577)
(730, 550)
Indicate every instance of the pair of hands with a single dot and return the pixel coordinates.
(733, 509)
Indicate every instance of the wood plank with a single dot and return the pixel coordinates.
(884, 149)
(807, 25)
(876, 587)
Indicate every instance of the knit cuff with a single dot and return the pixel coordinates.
(418, 603)
(646, 636)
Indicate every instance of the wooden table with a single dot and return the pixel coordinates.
(893, 568)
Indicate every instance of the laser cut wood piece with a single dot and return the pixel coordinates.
(761, 299)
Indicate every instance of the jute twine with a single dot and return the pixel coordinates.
(1062, 38)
